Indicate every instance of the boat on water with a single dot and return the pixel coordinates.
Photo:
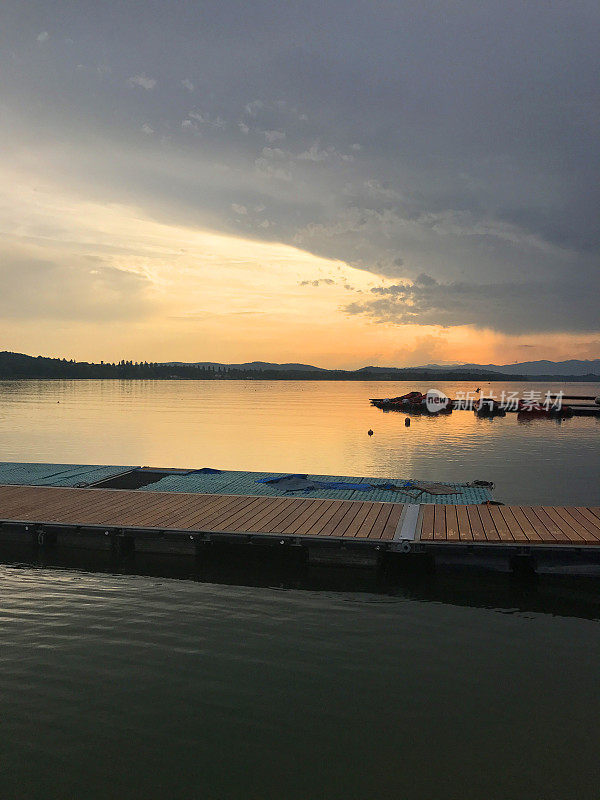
(435, 402)
(413, 402)
(527, 410)
(486, 407)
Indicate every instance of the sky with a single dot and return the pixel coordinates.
(339, 183)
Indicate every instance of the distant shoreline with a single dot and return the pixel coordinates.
(320, 379)
(18, 366)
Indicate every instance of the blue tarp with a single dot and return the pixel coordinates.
(302, 483)
(205, 471)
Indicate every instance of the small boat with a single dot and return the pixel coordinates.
(413, 402)
(405, 402)
(485, 407)
(528, 410)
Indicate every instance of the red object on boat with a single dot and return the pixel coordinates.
(528, 409)
(412, 402)
(409, 399)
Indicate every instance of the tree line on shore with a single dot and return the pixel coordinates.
(15, 366)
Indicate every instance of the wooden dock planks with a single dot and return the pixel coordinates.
(129, 509)
(298, 517)
(511, 524)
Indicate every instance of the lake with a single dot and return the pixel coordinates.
(126, 686)
(324, 685)
(317, 427)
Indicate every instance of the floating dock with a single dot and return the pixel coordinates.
(130, 520)
(235, 482)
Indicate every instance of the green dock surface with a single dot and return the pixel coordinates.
(230, 482)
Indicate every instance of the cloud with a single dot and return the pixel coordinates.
(100, 70)
(425, 280)
(318, 282)
(147, 129)
(273, 152)
(34, 288)
(143, 81)
(317, 153)
(507, 307)
(253, 107)
(314, 154)
(207, 119)
(464, 142)
(43, 36)
(239, 209)
(381, 191)
(274, 136)
(265, 167)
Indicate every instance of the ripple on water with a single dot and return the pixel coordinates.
(132, 686)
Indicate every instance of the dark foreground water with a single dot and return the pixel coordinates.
(118, 686)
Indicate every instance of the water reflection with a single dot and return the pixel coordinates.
(558, 595)
(317, 427)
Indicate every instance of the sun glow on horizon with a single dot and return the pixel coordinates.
(105, 281)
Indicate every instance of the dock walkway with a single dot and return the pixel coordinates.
(49, 514)
(198, 513)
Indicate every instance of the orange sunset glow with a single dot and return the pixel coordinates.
(155, 207)
(200, 294)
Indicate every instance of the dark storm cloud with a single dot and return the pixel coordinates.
(449, 143)
(511, 307)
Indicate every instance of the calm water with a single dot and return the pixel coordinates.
(132, 686)
(128, 686)
(318, 427)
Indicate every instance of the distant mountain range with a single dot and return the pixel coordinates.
(18, 366)
(571, 367)
(250, 365)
